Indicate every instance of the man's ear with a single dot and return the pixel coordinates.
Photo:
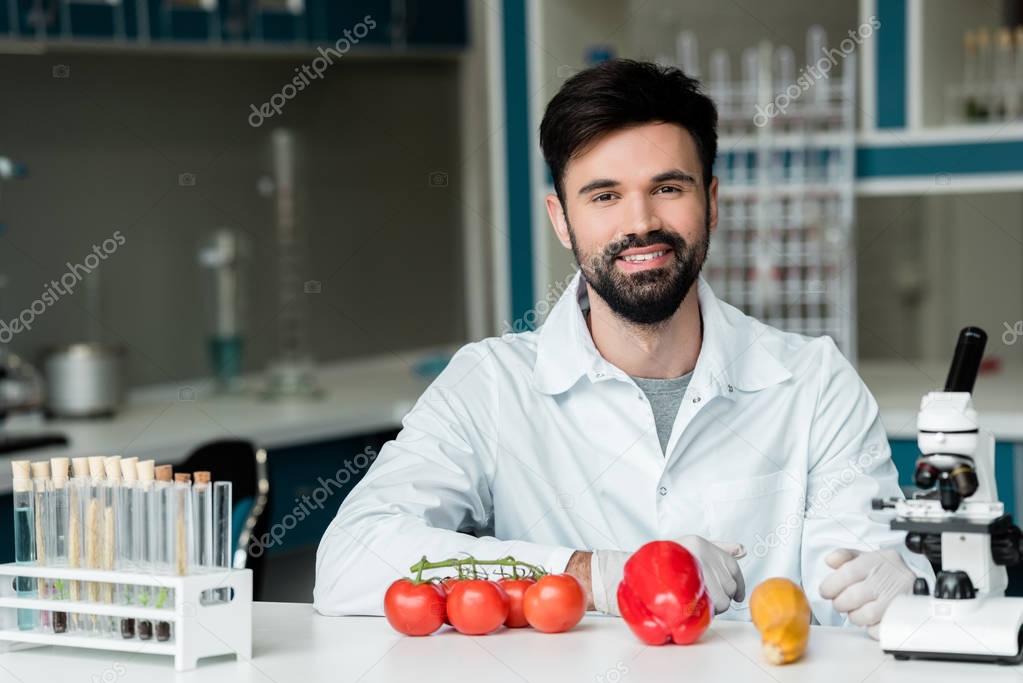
(558, 221)
(713, 199)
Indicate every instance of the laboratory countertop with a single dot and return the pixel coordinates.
(167, 422)
(372, 394)
(898, 387)
(292, 643)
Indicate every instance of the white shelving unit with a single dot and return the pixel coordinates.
(199, 628)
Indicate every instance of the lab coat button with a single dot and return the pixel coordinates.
(696, 399)
(730, 388)
(663, 491)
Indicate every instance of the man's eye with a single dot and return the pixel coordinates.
(670, 188)
(604, 197)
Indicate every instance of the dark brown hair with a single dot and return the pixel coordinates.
(620, 93)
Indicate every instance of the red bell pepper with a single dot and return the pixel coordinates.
(662, 596)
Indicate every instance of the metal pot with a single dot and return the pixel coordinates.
(83, 380)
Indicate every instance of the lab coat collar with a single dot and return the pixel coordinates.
(731, 357)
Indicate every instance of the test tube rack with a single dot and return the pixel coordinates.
(200, 629)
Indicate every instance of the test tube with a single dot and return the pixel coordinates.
(94, 532)
(202, 508)
(126, 538)
(159, 547)
(24, 538)
(78, 499)
(223, 540)
(111, 492)
(144, 560)
(58, 552)
(42, 488)
(181, 521)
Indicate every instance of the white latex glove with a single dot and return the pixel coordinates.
(864, 584)
(721, 573)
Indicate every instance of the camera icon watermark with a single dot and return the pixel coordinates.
(1012, 333)
(942, 179)
(61, 71)
(438, 179)
(186, 179)
(186, 394)
(313, 287)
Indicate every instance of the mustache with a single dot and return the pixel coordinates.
(614, 249)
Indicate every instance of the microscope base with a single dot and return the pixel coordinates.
(982, 629)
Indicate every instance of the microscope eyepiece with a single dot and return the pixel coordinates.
(962, 374)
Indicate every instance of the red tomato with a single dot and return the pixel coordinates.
(555, 603)
(414, 609)
(477, 606)
(516, 590)
(446, 584)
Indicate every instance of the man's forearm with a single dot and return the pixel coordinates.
(579, 567)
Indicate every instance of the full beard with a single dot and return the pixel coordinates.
(648, 297)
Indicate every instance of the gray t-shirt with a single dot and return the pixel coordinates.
(665, 396)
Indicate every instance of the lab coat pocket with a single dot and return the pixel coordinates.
(751, 511)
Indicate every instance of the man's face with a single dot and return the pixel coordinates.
(638, 218)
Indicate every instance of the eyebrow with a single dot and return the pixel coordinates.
(604, 183)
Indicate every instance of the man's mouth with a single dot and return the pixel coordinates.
(644, 258)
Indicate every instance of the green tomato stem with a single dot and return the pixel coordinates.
(461, 564)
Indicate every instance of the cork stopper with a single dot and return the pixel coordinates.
(983, 38)
(80, 467)
(60, 468)
(1004, 38)
(164, 473)
(202, 477)
(146, 470)
(112, 464)
(22, 475)
(41, 470)
(183, 478)
(129, 469)
(96, 469)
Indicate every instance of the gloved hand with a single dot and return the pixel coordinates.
(721, 573)
(864, 584)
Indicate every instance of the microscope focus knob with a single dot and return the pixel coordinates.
(920, 586)
(954, 585)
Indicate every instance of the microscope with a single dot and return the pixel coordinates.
(958, 523)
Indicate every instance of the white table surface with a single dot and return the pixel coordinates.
(292, 643)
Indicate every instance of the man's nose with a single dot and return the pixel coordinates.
(642, 216)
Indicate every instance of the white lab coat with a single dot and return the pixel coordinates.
(537, 445)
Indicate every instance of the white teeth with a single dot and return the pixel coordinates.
(635, 258)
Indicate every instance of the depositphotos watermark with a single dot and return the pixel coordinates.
(832, 484)
(320, 495)
(811, 73)
(1012, 333)
(313, 70)
(58, 288)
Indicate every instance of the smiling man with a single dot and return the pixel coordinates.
(644, 408)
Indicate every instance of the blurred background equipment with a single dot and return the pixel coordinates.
(224, 256)
(293, 372)
(786, 204)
